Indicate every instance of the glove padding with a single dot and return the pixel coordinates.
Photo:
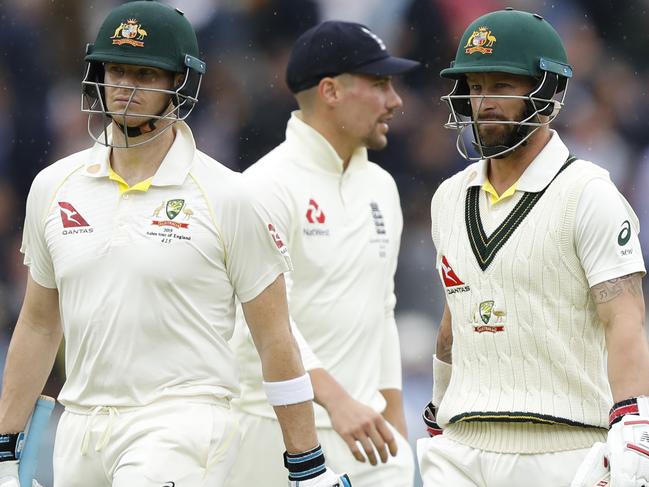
(9, 475)
(628, 452)
(430, 418)
(623, 461)
(594, 469)
(325, 479)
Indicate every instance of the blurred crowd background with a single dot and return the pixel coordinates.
(244, 105)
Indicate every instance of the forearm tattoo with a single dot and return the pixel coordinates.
(611, 289)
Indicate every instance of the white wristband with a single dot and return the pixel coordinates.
(290, 391)
(441, 379)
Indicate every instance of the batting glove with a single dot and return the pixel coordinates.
(628, 443)
(11, 446)
(429, 416)
(594, 470)
(327, 479)
(308, 469)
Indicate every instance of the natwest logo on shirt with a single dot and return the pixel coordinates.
(316, 218)
(71, 218)
(314, 213)
(452, 282)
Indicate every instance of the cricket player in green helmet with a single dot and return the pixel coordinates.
(540, 373)
(137, 253)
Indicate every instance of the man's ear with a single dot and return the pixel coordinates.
(330, 90)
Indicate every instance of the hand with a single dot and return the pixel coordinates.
(628, 447)
(356, 422)
(326, 479)
(9, 474)
(430, 419)
(594, 469)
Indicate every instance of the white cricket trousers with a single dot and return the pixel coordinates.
(261, 463)
(447, 463)
(184, 442)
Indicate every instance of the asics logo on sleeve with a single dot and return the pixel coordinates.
(169, 484)
(625, 234)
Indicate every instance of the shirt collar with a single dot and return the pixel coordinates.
(172, 171)
(539, 173)
(315, 149)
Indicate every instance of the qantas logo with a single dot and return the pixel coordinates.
(70, 216)
(314, 214)
(452, 282)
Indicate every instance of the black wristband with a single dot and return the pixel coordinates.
(305, 466)
(10, 446)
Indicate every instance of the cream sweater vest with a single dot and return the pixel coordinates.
(529, 356)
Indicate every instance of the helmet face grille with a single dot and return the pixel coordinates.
(183, 99)
(142, 33)
(540, 102)
(513, 42)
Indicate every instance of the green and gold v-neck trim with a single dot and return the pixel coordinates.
(485, 248)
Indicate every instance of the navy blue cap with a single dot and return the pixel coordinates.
(336, 47)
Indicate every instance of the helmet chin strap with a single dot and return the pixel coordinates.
(144, 128)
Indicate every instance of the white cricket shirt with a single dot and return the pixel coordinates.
(147, 279)
(343, 230)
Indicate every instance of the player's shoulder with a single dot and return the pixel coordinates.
(583, 168)
(205, 166)
(53, 176)
(222, 186)
(460, 180)
(275, 165)
(380, 175)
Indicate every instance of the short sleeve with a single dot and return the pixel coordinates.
(34, 245)
(256, 253)
(606, 233)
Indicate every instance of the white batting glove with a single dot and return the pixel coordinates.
(308, 469)
(9, 474)
(594, 469)
(326, 479)
(628, 443)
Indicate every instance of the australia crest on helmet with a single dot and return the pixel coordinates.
(481, 40)
(129, 32)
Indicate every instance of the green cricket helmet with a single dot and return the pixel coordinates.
(143, 33)
(514, 42)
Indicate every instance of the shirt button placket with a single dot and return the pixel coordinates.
(120, 235)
